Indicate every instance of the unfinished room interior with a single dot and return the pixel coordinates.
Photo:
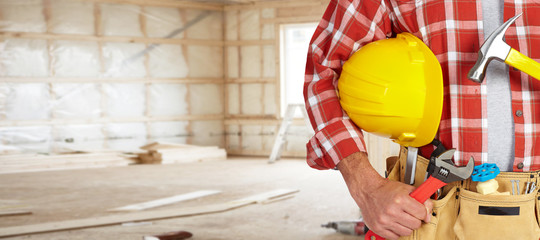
(162, 119)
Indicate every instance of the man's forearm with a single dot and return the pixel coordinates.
(359, 175)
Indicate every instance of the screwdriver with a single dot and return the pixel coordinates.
(353, 227)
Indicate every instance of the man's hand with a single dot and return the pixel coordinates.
(386, 206)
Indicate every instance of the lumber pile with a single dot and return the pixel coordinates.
(169, 153)
(16, 163)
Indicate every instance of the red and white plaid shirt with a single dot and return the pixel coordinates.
(453, 31)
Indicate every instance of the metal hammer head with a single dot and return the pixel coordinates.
(447, 172)
(493, 48)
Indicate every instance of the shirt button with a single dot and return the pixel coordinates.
(519, 113)
(520, 165)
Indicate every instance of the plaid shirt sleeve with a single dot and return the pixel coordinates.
(345, 27)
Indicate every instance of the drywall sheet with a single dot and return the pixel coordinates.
(232, 62)
(22, 16)
(173, 132)
(233, 98)
(125, 100)
(205, 61)
(162, 22)
(76, 100)
(250, 61)
(84, 137)
(206, 98)
(231, 25)
(75, 59)
(209, 27)
(209, 133)
(252, 138)
(233, 137)
(168, 99)
(121, 20)
(269, 61)
(249, 25)
(24, 58)
(71, 17)
(167, 61)
(25, 139)
(251, 98)
(270, 101)
(29, 101)
(124, 60)
(125, 136)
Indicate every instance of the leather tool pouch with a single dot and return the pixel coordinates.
(462, 213)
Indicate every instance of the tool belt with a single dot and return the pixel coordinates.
(463, 213)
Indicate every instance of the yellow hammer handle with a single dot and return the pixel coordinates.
(523, 63)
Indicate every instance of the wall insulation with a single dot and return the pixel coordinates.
(84, 75)
(108, 74)
(252, 75)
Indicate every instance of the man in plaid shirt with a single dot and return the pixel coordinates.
(454, 30)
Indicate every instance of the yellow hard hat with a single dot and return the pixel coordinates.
(394, 88)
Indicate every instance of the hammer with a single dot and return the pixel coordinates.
(496, 48)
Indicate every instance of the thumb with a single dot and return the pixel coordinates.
(429, 209)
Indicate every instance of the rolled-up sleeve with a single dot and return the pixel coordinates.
(345, 26)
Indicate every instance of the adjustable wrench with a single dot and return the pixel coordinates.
(442, 171)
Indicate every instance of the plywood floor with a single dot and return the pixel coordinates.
(74, 194)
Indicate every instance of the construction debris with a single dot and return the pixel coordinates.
(169, 153)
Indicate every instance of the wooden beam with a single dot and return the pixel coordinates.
(249, 42)
(13, 123)
(265, 153)
(277, 4)
(165, 201)
(140, 216)
(251, 120)
(6, 213)
(78, 37)
(298, 19)
(111, 80)
(165, 3)
(252, 80)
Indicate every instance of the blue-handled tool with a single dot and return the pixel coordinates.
(484, 172)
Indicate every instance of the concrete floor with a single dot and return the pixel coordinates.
(75, 194)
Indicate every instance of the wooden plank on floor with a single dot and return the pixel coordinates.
(39, 162)
(4, 213)
(140, 216)
(165, 201)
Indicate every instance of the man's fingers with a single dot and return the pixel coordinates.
(415, 208)
(402, 230)
(387, 234)
(429, 209)
(410, 222)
